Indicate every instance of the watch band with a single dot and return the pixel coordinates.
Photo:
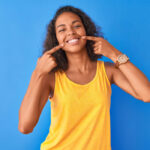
(117, 64)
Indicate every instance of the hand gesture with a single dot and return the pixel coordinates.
(103, 47)
(47, 62)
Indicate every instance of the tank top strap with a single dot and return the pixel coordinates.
(103, 76)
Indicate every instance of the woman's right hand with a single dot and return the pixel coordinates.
(47, 62)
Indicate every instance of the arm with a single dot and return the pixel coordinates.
(37, 92)
(119, 79)
(116, 77)
(130, 78)
(33, 102)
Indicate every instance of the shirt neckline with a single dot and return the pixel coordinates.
(83, 85)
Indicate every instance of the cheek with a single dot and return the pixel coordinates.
(81, 32)
(60, 38)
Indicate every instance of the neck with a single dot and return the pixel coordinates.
(79, 62)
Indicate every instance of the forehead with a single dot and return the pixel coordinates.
(66, 18)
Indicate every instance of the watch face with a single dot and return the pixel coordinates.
(122, 58)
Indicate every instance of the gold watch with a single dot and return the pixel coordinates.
(121, 59)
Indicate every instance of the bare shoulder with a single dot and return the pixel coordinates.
(109, 67)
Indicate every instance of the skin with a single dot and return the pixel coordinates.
(81, 70)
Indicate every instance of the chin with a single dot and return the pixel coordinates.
(73, 49)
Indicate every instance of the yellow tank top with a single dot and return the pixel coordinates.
(80, 114)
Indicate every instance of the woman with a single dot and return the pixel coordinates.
(77, 84)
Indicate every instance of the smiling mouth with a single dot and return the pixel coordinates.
(73, 41)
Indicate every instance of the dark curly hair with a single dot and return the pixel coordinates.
(51, 40)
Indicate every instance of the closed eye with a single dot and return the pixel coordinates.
(77, 26)
(61, 30)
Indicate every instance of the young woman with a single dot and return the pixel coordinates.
(77, 84)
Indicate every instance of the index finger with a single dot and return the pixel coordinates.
(90, 38)
(56, 48)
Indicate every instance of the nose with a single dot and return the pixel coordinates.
(71, 31)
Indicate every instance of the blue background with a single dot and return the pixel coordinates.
(125, 24)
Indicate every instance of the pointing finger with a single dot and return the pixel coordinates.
(90, 38)
(56, 48)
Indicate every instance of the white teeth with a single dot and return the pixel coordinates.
(73, 40)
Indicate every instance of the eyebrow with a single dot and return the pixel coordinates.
(72, 23)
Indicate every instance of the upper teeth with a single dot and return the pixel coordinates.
(73, 40)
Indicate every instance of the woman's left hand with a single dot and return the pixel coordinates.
(103, 47)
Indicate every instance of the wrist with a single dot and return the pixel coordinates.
(115, 55)
(38, 74)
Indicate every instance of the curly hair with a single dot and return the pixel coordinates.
(51, 40)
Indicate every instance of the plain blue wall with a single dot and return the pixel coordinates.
(125, 24)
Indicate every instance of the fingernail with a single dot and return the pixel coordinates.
(83, 37)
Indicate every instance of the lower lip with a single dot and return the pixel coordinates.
(74, 43)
